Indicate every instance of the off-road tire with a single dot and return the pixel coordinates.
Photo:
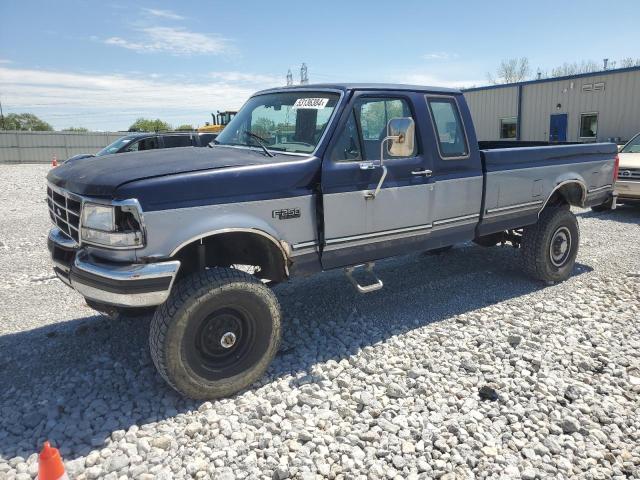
(538, 257)
(186, 359)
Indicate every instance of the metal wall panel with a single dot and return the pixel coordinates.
(618, 106)
(40, 147)
(488, 107)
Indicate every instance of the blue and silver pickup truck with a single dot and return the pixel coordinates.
(304, 179)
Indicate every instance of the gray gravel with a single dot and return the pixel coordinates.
(459, 368)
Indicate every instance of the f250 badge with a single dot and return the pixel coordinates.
(286, 213)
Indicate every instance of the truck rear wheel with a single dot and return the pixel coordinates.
(216, 334)
(550, 246)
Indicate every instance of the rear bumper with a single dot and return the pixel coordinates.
(123, 285)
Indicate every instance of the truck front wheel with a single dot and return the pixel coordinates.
(550, 246)
(216, 334)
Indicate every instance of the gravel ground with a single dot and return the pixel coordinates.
(459, 368)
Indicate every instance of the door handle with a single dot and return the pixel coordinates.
(367, 166)
(422, 173)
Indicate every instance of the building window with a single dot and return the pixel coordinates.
(509, 128)
(588, 125)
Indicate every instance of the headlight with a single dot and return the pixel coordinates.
(112, 226)
(98, 217)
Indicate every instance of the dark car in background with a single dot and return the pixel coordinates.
(135, 142)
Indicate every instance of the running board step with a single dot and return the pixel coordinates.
(368, 267)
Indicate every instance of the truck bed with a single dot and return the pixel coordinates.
(518, 180)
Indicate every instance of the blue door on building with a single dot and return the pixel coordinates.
(558, 128)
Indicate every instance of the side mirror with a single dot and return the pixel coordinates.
(401, 133)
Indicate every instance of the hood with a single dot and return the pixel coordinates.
(101, 176)
(629, 160)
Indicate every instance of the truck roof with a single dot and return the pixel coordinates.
(365, 86)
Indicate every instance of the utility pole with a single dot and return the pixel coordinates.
(289, 78)
(1, 116)
(304, 77)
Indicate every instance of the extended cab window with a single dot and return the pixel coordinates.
(171, 141)
(452, 142)
(373, 115)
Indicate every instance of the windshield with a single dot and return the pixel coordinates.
(115, 146)
(286, 121)
(633, 146)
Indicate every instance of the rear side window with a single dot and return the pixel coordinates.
(452, 141)
(177, 141)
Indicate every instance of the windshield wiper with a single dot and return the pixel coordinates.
(260, 141)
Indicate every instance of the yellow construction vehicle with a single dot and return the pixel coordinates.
(220, 120)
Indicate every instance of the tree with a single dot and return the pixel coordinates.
(575, 68)
(629, 62)
(264, 127)
(185, 127)
(25, 121)
(511, 71)
(149, 125)
(75, 129)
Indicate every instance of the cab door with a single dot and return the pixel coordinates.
(358, 226)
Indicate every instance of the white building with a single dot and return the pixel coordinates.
(600, 106)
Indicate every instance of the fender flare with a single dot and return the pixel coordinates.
(283, 247)
(583, 188)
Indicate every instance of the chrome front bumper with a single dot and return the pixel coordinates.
(123, 285)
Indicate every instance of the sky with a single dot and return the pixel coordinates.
(102, 64)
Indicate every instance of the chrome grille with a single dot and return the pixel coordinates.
(64, 210)
(629, 174)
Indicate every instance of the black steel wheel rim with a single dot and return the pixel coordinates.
(560, 246)
(209, 351)
(223, 336)
(204, 348)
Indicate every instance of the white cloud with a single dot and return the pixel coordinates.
(175, 41)
(114, 101)
(163, 13)
(245, 77)
(4, 61)
(432, 80)
(439, 56)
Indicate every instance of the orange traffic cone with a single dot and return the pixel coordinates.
(54, 161)
(50, 466)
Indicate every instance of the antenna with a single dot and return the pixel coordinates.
(289, 78)
(304, 77)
